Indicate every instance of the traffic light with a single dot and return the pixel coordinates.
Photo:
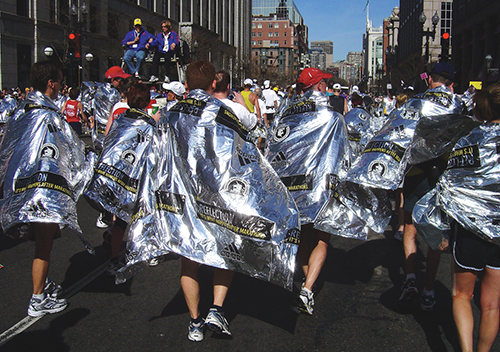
(445, 46)
(74, 45)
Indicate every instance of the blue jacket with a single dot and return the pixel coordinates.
(159, 41)
(144, 38)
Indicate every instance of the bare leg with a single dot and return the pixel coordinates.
(305, 248)
(433, 259)
(117, 233)
(409, 244)
(463, 290)
(190, 286)
(490, 297)
(44, 239)
(222, 281)
(399, 209)
(317, 258)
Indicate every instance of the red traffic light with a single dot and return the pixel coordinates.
(72, 36)
(446, 35)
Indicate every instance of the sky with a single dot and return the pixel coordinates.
(342, 22)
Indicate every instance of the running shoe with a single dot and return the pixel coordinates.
(52, 289)
(399, 236)
(153, 79)
(427, 302)
(155, 261)
(304, 302)
(216, 322)
(195, 332)
(409, 290)
(48, 305)
(101, 222)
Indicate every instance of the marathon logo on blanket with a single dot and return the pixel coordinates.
(298, 182)
(227, 118)
(31, 106)
(241, 224)
(171, 202)
(441, 98)
(111, 172)
(386, 147)
(42, 179)
(292, 236)
(332, 181)
(279, 160)
(246, 158)
(300, 108)
(189, 106)
(464, 157)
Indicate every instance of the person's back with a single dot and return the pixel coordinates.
(337, 102)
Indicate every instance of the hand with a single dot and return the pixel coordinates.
(157, 116)
(136, 39)
(147, 46)
(172, 46)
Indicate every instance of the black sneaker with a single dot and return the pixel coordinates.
(409, 290)
(427, 302)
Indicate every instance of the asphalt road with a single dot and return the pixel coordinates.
(356, 308)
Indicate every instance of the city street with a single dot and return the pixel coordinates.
(356, 307)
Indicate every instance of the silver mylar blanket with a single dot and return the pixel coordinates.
(121, 162)
(307, 144)
(426, 127)
(209, 195)
(99, 98)
(361, 127)
(60, 100)
(7, 107)
(44, 166)
(469, 189)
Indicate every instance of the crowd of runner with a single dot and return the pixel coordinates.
(232, 177)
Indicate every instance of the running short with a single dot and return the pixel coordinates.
(473, 253)
(414, 188)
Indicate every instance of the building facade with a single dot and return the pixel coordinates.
(279, 41)
(327, 46)
(373, 52)
(217, 31)
(317, 56)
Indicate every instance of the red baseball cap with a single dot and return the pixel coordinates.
(310, 76)
(116, 71)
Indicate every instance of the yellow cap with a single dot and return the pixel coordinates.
(137, 21)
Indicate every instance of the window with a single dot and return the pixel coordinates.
(259, 34)
(22, 8)
(253, 42)
(285, 26)
(284, 42)
(253, 34)
(285, 34)
(270, 53)
(276, 34)
(270, 25)
(259, 42)
(270, 34)
(276, 42)
(446, 17)
(259, 25)
(253, 25)
(276, 25)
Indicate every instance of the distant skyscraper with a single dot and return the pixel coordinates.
(327, 47)
(283, 8)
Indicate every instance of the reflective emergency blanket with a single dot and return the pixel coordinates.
(60, 100)
(121, 162)
(426, 127)
(361, 127)
(7, 106)
(209, 195)
(469, 189)
(44, 167)
(307, 144)
(431, 222)
(102, 97)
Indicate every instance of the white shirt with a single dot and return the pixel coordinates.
(248, 119)
(270, 97)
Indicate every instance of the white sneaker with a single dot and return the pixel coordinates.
(216, 322)
(153, 79)
(101, 223)
(48, 305)
(136, 74)
(166, 80)
(305, 301)
(195, 331)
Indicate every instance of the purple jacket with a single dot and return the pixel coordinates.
(159, 41)
(144, 38)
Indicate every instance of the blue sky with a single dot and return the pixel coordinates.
(342, 22)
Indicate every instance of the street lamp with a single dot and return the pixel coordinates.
(48, 51)
(428, 33)
(89, 57)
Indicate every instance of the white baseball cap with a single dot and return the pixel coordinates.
(337, 86)
(175, 87)
(355, 89)
(248, 82)
(267, 83)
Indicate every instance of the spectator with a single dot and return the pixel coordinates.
(167, 43)
(137, 42)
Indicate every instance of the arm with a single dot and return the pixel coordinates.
(80, 108)
(345, 106)
(175, 39)
(64, 107)
(110, 122)
(253, 100)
